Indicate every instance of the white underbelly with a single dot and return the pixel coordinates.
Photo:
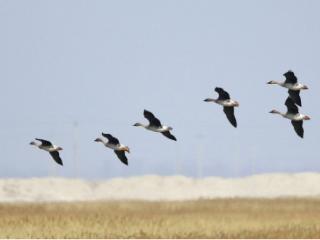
(114, 147)
(155, 129)
(46, 148)
(294, 87)
(226, 103)
(294, 117)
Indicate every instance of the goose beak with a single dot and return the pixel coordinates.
(307, 118)
(305, 87)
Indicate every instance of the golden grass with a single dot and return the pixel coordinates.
(220, 218)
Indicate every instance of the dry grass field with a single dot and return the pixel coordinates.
(220, 218)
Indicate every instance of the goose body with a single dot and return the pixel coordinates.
(293, 115)
(158, 129)
(114, 144)
(294, 87)
(227, 103)
(49, 147)
(291, 83)
(155, 125)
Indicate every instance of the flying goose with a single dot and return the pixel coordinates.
(155, 125)
(292, 84)
(114, 144)
(294, 115)
(227, 103)
(49, 147)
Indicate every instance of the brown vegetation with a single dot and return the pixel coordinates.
(220, 218)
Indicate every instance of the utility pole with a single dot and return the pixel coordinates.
(199, 160)
(75, 148)
(178, 162)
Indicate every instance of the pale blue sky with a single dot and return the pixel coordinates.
(102, 62)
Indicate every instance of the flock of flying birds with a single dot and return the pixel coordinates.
(291, 83)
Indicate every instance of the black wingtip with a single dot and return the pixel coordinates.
(300, 135)
(172, 138)
(59, 161)
(125, 162)
(169, 135)
(299, 104)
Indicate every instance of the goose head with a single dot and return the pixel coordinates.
(98, 140)
(274, 111)
(236, 104)
(272, 82)
(304, 87)
(209, 100)
(35, 144)
(138, 125)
